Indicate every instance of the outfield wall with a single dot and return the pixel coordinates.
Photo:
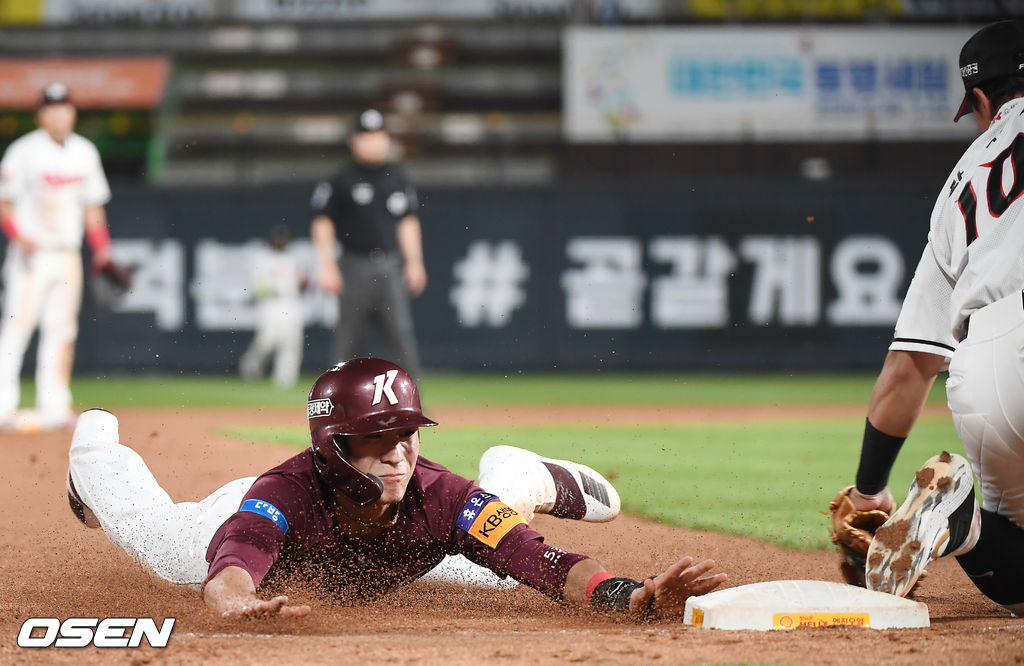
(708, 275)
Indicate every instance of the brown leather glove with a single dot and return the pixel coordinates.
(852, 531)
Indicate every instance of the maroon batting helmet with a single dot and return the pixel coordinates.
(363, 396)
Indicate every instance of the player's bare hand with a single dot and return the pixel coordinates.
(258, 608)
(883, 501)
(671, 589)
(415, 278)
(330, 280)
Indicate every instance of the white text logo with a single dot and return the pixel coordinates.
(321, 407)
(382, 387)
(76, 632)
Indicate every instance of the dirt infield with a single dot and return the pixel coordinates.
(50, 565)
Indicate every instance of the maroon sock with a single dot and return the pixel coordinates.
(569, 501)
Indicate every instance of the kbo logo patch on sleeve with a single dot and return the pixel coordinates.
(488, 519)
(267, 510)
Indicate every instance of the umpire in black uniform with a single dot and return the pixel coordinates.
(370, 208)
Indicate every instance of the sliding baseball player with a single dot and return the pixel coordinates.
(360, 512)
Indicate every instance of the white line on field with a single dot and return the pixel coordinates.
(193, 634)
(1005, 627)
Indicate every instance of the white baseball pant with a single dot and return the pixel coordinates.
(279, 331)
(44, 289)
(985, 390)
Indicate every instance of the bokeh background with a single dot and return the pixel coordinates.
(679, 185)
(712, 206)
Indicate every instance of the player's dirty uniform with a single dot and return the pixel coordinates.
(282, 522)
(360, 512)
(965, 310)
(50, 184)
(285, 528)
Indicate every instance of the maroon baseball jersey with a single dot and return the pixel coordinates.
(285, 528)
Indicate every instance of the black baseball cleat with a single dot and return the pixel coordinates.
(78, 507)
(939, 518)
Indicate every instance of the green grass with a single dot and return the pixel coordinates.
(767, 480)
(178, 391)
(600, 389)
(605, 389)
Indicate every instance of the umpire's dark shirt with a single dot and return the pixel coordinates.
(365, 203)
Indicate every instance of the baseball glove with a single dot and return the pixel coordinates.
(116, 276)
(110, 282)
(852, 531)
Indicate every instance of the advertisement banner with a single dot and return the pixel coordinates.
(793, 9)
(763, 84)
(69, 12)
(652, 278)
(95, 83)
(986, 10)
(359, 10)
(852, 9)
(21, 12)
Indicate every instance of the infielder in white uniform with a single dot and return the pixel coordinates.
(965, 310)
(52, 189)
(277, 284)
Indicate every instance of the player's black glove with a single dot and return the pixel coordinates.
(110, 282)
(116, 276)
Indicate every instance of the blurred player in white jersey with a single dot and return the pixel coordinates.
(277, 284)
(965, 310)
(52, 190)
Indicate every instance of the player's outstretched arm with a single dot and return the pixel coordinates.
(661, 596)
(231, 594)
(897, 401)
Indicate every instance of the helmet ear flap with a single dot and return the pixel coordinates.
(333, 466)
(341, 442)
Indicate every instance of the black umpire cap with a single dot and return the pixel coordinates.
(55, 93)
(994, 52)
(368, 120)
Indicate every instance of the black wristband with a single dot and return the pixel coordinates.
(877, 454)
(612, 595)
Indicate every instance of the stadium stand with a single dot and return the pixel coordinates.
(469, 103)
(472, 102)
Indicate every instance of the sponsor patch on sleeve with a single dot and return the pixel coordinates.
(488, 519)
(267, 510)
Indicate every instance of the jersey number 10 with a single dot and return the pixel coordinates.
(998, 199)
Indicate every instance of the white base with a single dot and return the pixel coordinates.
(792, 604)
